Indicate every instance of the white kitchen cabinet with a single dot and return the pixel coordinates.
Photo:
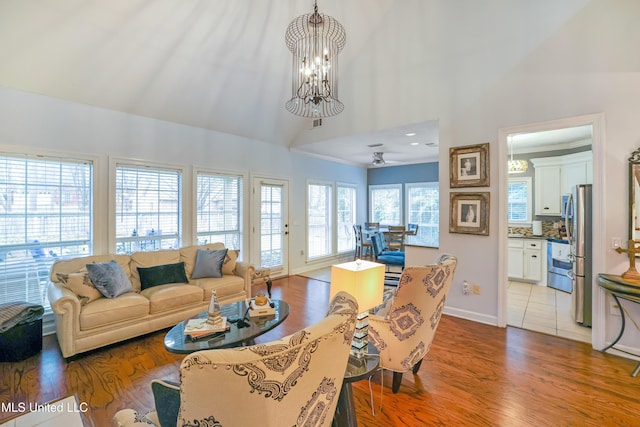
(515, 262)
(576, 169)
(526, 259)
(556, 176)
(532, 260)
(548, 196)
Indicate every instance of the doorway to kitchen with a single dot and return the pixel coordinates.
(527, 300)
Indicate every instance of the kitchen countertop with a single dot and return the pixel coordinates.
(550, 239)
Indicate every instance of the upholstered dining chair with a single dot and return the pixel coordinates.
(294, 381)
(402, 329)
(383, 255)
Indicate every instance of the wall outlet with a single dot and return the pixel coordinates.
(476, 289)
(466, 288)
(614, 310)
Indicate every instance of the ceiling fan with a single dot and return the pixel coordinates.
(378, 160)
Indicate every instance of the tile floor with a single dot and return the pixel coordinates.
(543, 309)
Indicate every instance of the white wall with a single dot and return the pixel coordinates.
(36, 123)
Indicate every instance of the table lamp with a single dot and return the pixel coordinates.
(364, 280)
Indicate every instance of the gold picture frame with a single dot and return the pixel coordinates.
(469, 166)
(469, 213)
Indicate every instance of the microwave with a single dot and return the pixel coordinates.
(565, 202)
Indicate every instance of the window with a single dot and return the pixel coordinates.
(519, 200)
(385, 203)
(346, 217)
(319, 228)
(148, 208)
(46, 209)
(423, 208)
(219, 200)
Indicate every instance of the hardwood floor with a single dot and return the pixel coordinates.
(474, 375)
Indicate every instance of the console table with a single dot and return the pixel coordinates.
(620, 288)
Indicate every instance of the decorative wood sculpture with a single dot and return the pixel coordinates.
(632, 249)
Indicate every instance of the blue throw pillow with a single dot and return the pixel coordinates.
(208, 263)
(109, 278)
(162, 274)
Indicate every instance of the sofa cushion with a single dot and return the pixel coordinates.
(79, 264)
(229, 264)
(172, 296)
(162, 274)
(107, 311)
(224, 286)
(81, 285)
(208, 263)
(109, 278)
(188, 255)
(151, 259)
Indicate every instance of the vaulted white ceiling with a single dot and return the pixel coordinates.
(408, 66)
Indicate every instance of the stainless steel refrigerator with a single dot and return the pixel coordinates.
(580, 237)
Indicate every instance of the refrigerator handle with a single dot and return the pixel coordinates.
(567, 208)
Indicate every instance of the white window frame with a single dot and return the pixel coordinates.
(348, 229)
(329, 221)
(407, 187)
(242, 198)
(51, 250)
(528, 182)
(114, 164)
(372, 189)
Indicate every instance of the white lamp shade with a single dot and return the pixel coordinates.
(362, 279)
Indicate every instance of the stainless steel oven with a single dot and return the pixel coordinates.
(559, 265)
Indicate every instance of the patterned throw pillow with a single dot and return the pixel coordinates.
(81, 285)
(229, 264)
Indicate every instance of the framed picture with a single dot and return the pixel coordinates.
(469, 166)
(469, 213)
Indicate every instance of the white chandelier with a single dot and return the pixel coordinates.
(315, 40)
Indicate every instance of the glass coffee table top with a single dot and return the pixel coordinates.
(241, 332)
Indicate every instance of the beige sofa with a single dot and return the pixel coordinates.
(85, 326)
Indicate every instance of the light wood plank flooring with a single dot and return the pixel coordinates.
(474, 375)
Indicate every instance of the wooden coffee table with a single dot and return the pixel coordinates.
(241, 333)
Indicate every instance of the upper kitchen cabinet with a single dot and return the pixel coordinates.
(577, 169)
(548, 195)
(555, 176)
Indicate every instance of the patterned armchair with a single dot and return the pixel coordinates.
(294, 381)
(403, 328)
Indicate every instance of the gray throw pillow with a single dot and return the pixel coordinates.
(109, 278)
(208, 263)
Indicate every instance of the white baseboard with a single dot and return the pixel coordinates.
(471, 315)
(621, 350)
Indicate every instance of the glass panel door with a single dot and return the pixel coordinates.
(271, 229)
